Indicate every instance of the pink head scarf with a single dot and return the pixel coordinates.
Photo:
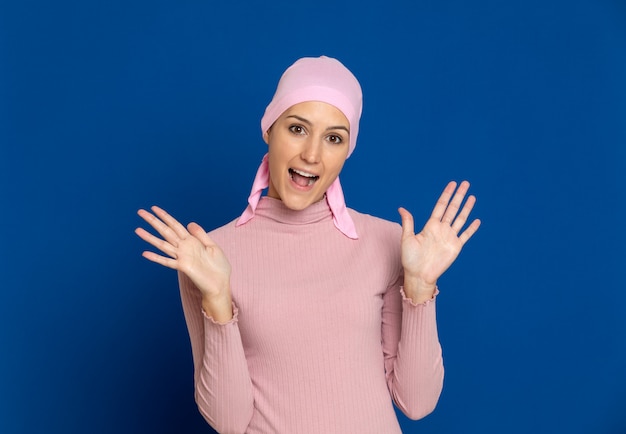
(313, 79)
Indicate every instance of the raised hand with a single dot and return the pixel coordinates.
(191, 251)
(428, 254)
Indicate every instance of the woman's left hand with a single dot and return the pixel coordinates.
(428, 254)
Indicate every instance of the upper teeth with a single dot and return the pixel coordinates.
(301, 173)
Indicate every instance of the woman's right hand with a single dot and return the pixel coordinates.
(191, 251)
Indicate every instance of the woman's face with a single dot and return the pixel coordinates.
(308, 145)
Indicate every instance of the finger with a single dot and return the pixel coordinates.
(171, 222)
(464, 214)
(156, 223)
(157, 242)
(196, 230)
(161, 260)
(408, 226)
(470, 231)
(443, 201)
(161, 227)
(455, 203)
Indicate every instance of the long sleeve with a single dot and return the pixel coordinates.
(413, 357)
(223, 389)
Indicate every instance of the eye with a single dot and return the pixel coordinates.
(297, 129)
(335, 139)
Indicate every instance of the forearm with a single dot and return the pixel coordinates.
(413, 359)
(223, 389)
(418, 371)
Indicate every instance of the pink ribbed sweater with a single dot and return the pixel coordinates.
(322, 338)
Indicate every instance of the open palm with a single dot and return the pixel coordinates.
(189, 250)
(428, 254)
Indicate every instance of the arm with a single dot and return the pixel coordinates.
(223, 389)
(222, 383)
(413, 360)
(415, 377)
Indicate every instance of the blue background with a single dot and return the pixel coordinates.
(109, 106)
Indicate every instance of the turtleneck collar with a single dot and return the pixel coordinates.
(275, 209)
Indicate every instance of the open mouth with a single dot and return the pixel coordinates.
(303, 179)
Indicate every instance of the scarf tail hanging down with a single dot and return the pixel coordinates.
(334, 198)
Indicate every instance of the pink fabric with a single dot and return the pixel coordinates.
(313, 79)
(322, 340)
(261, 182)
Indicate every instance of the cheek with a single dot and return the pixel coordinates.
(274, 168)
(274, 156)
(338, 161)
(278, 162)
(279, 149)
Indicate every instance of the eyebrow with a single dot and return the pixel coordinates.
(306, 121)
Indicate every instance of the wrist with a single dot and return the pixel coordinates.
(419, 290)
(219, 307)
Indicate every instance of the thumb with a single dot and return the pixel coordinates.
(408, 229)
(196, 230)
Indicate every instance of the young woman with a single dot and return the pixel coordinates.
(306, 316)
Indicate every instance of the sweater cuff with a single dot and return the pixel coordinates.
(412, 303)
(233, 320)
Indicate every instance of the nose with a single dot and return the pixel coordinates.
(312, 151)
